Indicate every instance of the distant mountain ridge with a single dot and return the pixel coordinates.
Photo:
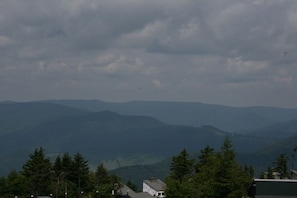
(16, 116)
(232, 119)
(134, 137)
(280, 130)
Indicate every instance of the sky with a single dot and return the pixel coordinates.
(229, 52)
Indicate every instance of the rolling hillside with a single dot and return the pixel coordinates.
(260, 160)
(117, 140)
(280, 130)
(232, 119)
(18, 116)
(138, 142)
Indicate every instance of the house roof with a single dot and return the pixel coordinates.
(155, 184)
(276, 180)
(125, 191)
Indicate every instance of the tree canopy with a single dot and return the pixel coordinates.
(212, 174)
(279, 168)
(66, 175)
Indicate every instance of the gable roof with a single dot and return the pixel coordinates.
(155, 184)
(125, 191)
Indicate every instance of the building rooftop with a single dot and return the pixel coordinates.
(125, 191)
(276, 180)
(278, 188)
(156, 184)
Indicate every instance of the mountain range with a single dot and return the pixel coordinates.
(241, 120)
(141, 134)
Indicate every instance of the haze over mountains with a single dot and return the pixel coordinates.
(140, 133)
(231, 119)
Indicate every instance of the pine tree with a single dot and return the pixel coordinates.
(3, 187)
(215, 175)
(80, 173)
(233, 180)
(104, 183)
(132, 186)
(15, 182)
(101, 174)
(281, 166)
(182, 166)
(59, 175)
(179, 182)
(37, 172)
(207, 169)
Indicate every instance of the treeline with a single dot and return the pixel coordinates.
(213, 174)
(67, 176)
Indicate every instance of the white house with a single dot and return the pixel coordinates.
(154, 187)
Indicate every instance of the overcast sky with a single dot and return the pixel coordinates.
(231, 52)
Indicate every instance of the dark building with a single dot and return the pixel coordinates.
(274, 188)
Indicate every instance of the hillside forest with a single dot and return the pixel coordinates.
(66, 176)
(125, 143)
(210, 174)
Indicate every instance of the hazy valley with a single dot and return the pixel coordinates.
(139, 138)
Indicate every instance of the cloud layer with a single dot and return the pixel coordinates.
(232, 52)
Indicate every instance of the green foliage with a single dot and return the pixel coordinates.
(101, 174)
(279, 169)
(80, 172)
(66, 174)
(281, 166)
(132, 186)
(27, 123)
(15, 181)
(12, 185)
(182, 166)
(37, 172)
(180, 189)
(217, 174)
(180, 180)
(102, 183)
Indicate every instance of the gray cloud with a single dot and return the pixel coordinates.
(233, 52)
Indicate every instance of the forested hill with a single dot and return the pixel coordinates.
(19, 116)
(232, 119)
(280, 130)
(117, 140)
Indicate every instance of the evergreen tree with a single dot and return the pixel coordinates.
(249, 170)
(101, 174)
(66, 166)
(177, 189)
(15, 183)
(65, 177)
(179, 182)
(67, 163)
(281, 166)
(3, 187)
(182, 166)
(37, 172)
(80, 173)
(233, 181)
(132, 186)
(216, 175)
(59, 176)
(104, 183)
(207, 169)
(203, 159)
(268, 174)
